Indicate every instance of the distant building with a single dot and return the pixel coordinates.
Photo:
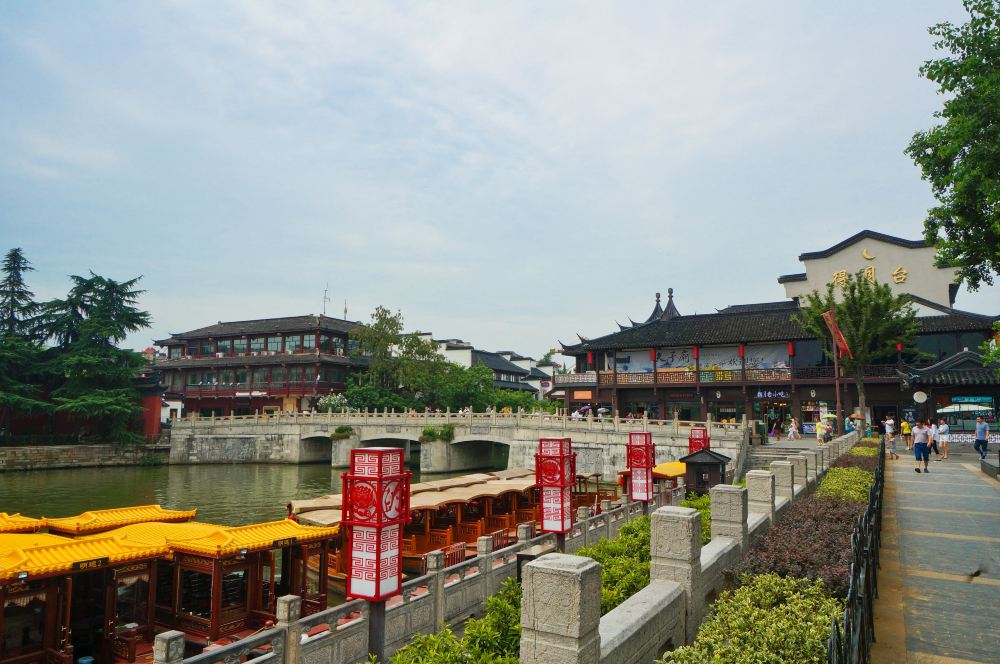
(511, 371)
(264, 365)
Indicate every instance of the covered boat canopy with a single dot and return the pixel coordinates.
(670, 469)
(15, 523)
(96, 521)
(322, 518)
(46, 555)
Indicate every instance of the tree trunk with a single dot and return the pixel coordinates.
(859, 382)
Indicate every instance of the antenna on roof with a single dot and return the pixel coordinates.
(325, 296)
(345, 308)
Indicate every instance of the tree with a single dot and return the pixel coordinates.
(991, 348)
(97, 377)
(17, 303)
(960, 158)
(872, 319)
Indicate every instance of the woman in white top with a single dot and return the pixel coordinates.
(943, 435)
(932, 439)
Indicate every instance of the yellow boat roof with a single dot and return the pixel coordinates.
(218, 541)
(44, 555)
(15, 523)
(96, 521)
(670, 469)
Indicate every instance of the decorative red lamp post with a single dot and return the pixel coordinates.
(698, 439)
(641, 458)
(555, 474)
(376, 506)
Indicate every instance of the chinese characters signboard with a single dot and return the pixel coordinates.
(376, 507)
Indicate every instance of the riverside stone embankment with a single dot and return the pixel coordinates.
(43, 457)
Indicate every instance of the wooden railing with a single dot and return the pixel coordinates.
(713, 376)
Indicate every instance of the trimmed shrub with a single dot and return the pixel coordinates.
(493, 639)
(341, 432)
(848, 461)
(847, 484)
(767, 619)
(624, 562)
(445, 433)
(704, 505)
(860, 451)
(812, 540)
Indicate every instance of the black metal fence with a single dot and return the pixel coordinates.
(851, 642)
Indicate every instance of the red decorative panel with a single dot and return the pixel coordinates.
(641, 459)
(698, 439)
(376, 507)
(555, 474)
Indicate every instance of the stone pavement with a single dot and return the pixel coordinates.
(938, 529)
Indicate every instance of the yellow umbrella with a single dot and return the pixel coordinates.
(670, 469)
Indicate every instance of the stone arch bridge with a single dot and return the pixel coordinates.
(306, 438)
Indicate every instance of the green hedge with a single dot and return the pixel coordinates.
(849, 484)
(769, 618)
(341, 432)
(445, 433)
(493, 639)
(859, 451)
(703, 504)
(624, 562)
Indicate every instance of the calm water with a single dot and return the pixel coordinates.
(224, 494)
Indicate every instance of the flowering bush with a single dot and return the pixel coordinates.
(812, 540)
(332, 403)
(847, 484)
(767, 619)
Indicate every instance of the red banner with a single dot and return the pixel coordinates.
(838, 337)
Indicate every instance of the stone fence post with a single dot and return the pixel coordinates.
(289, 610)
(729, 513)
(435, 565)
(784, 479)
(799, 465)
(824, 459)
(675, 555)
(760, 493)
(561, 610)
(168, 648)
(525, 531)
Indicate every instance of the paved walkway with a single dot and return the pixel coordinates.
(938, 529)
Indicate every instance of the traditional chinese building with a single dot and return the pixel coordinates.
(754, 360)
(266, 365)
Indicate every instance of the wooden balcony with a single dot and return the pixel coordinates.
(714, 377)
(286, 388)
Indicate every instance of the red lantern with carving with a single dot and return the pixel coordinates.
(698, 439)
(641, 457)
(555, 475)
(376, 506)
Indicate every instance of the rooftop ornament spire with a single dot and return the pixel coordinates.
(671, 311)
(657, 311)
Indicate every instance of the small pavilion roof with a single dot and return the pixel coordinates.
(965, 368)
(96, 521)
(15, 523)
(45, 555)
(705, 455)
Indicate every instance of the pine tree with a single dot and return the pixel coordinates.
(17, 303)
(872, 319)
(20, 353)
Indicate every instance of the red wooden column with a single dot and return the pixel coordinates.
(641, 458)
(376, 507)
(555, 475)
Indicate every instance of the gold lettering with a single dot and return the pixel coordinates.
(899, 275)
(870, 274)
(840, 278)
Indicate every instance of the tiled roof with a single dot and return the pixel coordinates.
(798, 276)
(756, 307)
(15, 523)
(258, 360)
(497, 363)
(747, 327)
(44, 555)
(217, 541)
(965, 368)
(289, 324)
(858, 237)
(705, 455)
(537, 374)
(100, 520)
(513, 385)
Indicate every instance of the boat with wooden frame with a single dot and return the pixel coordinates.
(105, 592)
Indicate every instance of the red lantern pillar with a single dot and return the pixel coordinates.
(641, 458)
(376, 506)
(555, 474)
(698, 439)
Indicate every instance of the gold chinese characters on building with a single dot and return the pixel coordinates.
(898, 276)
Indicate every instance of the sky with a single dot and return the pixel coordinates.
(509, 174)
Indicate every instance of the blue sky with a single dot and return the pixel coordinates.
(506, 173)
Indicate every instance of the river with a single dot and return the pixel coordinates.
(228, 495)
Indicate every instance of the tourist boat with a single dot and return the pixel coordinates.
(451, 515)
(103, 583)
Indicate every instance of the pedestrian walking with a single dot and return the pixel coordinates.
(890, 446)
(905, 427)
(944, 435)
(982, 437)
(793, 430)
(920, 451)
(890, 426)
(932, 439)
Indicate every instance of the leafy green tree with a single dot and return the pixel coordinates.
(20, 352)
(97, 383)
(376, 344)
(991, 348)
(960, 157)
(872, 318)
